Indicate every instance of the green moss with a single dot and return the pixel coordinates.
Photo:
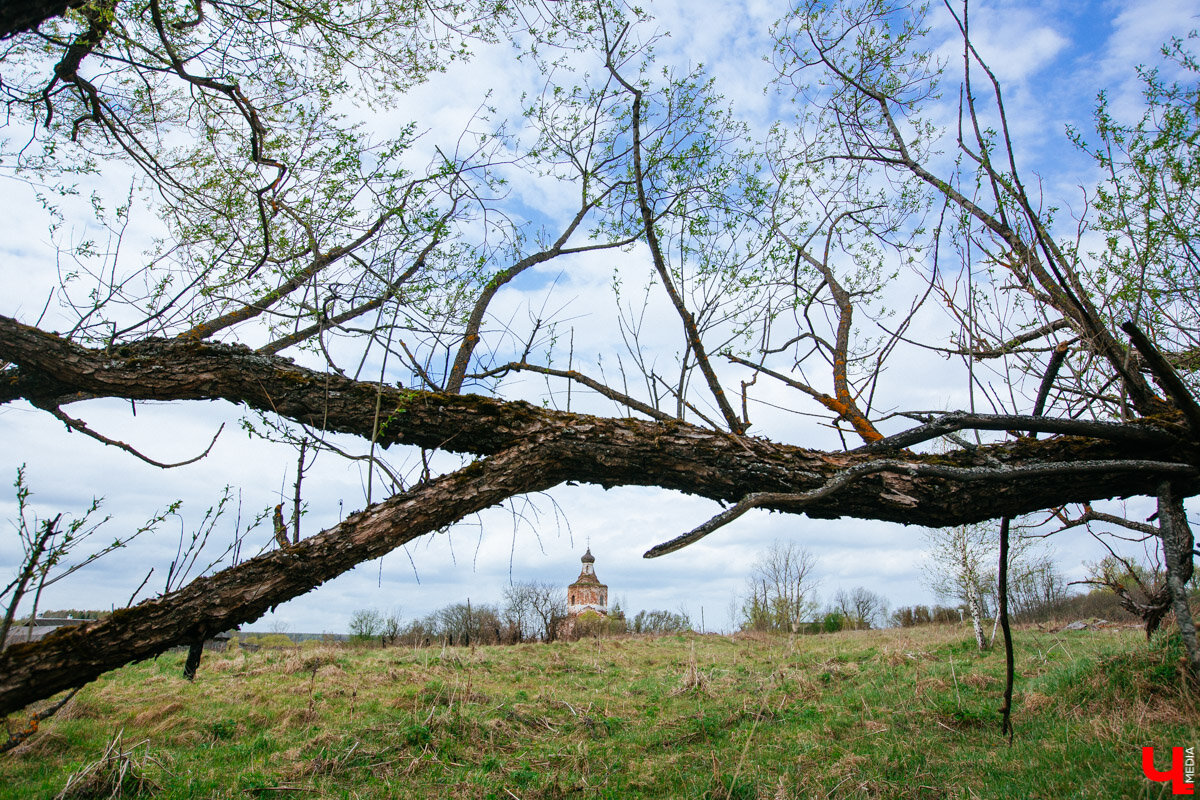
(473, 470)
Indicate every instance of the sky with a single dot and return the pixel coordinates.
(1052, 57)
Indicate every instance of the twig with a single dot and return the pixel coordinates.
(579, 377)
(31, 728)
(82, 427)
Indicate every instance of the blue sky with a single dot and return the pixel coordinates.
(1052, 58)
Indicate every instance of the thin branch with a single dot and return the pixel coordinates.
(794, 502)
(1138, 433)
(843, 410)
(31, 727)
(1091, 515)
(660, 265)
(578, 377)
(82, 427)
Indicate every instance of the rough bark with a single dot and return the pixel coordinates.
(1178, 543)
(899, 486)
(526, 449)
(976, 607)
(74, 655)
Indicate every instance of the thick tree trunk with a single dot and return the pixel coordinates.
(75, 655)
(896, 485)
(527, 449)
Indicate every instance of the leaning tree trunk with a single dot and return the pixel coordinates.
(74, 655)
(529, 449)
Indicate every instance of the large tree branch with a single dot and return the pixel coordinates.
(608, 452)
(529, 449)
(73, 656)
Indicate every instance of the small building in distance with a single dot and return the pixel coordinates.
(587, 598)
(40, 628)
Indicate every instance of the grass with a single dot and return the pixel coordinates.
(891, 714)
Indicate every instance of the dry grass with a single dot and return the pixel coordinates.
(896, 714)
(116, 774)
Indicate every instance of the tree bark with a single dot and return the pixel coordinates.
(988, 482)
(1178, 544)
(976, 608)
(526, 449)
(74, 655)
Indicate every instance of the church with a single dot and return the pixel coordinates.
(587, 597)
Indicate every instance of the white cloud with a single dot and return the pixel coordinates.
(477, 557)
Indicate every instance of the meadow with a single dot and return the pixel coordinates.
(897, 713)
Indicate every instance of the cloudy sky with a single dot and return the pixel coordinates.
(1052, 57)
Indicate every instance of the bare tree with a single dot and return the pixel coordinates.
(961, 566)
(781, 590)
(288, 229)
(535, 608)
(860, 607)
(1039, 589)
(465, 624)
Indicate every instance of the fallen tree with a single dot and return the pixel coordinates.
(337, 249)
(526, 449)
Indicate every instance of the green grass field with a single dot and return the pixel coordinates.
(892, 714)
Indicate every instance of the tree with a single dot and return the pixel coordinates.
(393, 627)
(961, 566)
(1140, 590)
(535, 608)
(366, 624)
(861, 607)
(659, 621)
(781, 590)
(1039, 590)
(287, 227)
(463, 624)
(871, 120)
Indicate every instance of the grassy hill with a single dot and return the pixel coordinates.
(893, 714)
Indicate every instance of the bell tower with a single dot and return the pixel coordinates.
(587, 593)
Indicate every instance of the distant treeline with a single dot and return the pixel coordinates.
(1097, 603)
(531, 611)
